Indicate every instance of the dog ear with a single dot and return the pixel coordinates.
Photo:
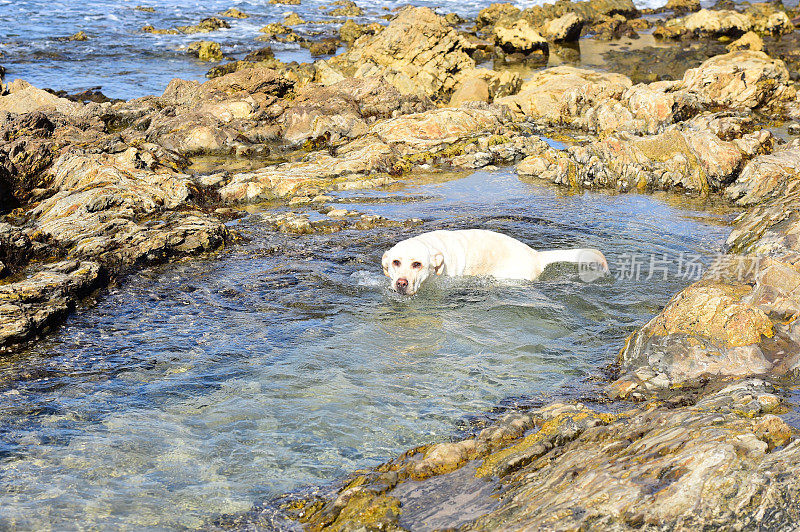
(438, 263)
(385, 263)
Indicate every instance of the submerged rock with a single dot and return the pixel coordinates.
(80, 36)
(653, 63)
(570, 467)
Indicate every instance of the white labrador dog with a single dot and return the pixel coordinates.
(473, 252)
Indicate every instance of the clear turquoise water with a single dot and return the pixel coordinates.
(205, 387)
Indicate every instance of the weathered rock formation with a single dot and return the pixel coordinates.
(418, 53)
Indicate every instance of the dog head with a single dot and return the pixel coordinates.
(409, 263)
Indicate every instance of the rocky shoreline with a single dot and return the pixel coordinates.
(96, 190)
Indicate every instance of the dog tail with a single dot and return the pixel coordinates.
(585, 258)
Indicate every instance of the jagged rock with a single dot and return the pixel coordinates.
(280, 33)
(234, 13)
(566, 28)
(761, 18)
(319, 172)
(614, 27)
(566, 96)
(683, 6)
(22, 97)
(769, 18)
(437, 128)
(748, 41)
(30, 306)
(769, 228)
(418, 53)
(548, 92)
(344, 109)
(293, 19)
(489, 16)
(346, 8)
(349, 32)
(324, 47)
(770, 175)
(206, 25)
(221, 115)
(148, 28)
(15, 249)
(672, 32)
(740, 79)
(206, 50)
(498, 150)
(520, 37)
(32, 141)
(609, 8)
(454, 19)
(707, 329)
(261, 58)
(102, 204)
(692, 159)
(382, 148)
(724, 22)
(80, 36)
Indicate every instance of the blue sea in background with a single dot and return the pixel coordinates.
(128, 63)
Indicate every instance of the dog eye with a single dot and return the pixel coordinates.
(396, 263)
(416, 265)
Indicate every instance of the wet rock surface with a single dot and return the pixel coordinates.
(94, 189)
(569, 466)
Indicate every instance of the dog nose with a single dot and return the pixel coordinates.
(402, 284)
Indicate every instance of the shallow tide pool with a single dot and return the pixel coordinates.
(205, 387)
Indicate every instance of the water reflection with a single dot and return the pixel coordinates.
(198, 388)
